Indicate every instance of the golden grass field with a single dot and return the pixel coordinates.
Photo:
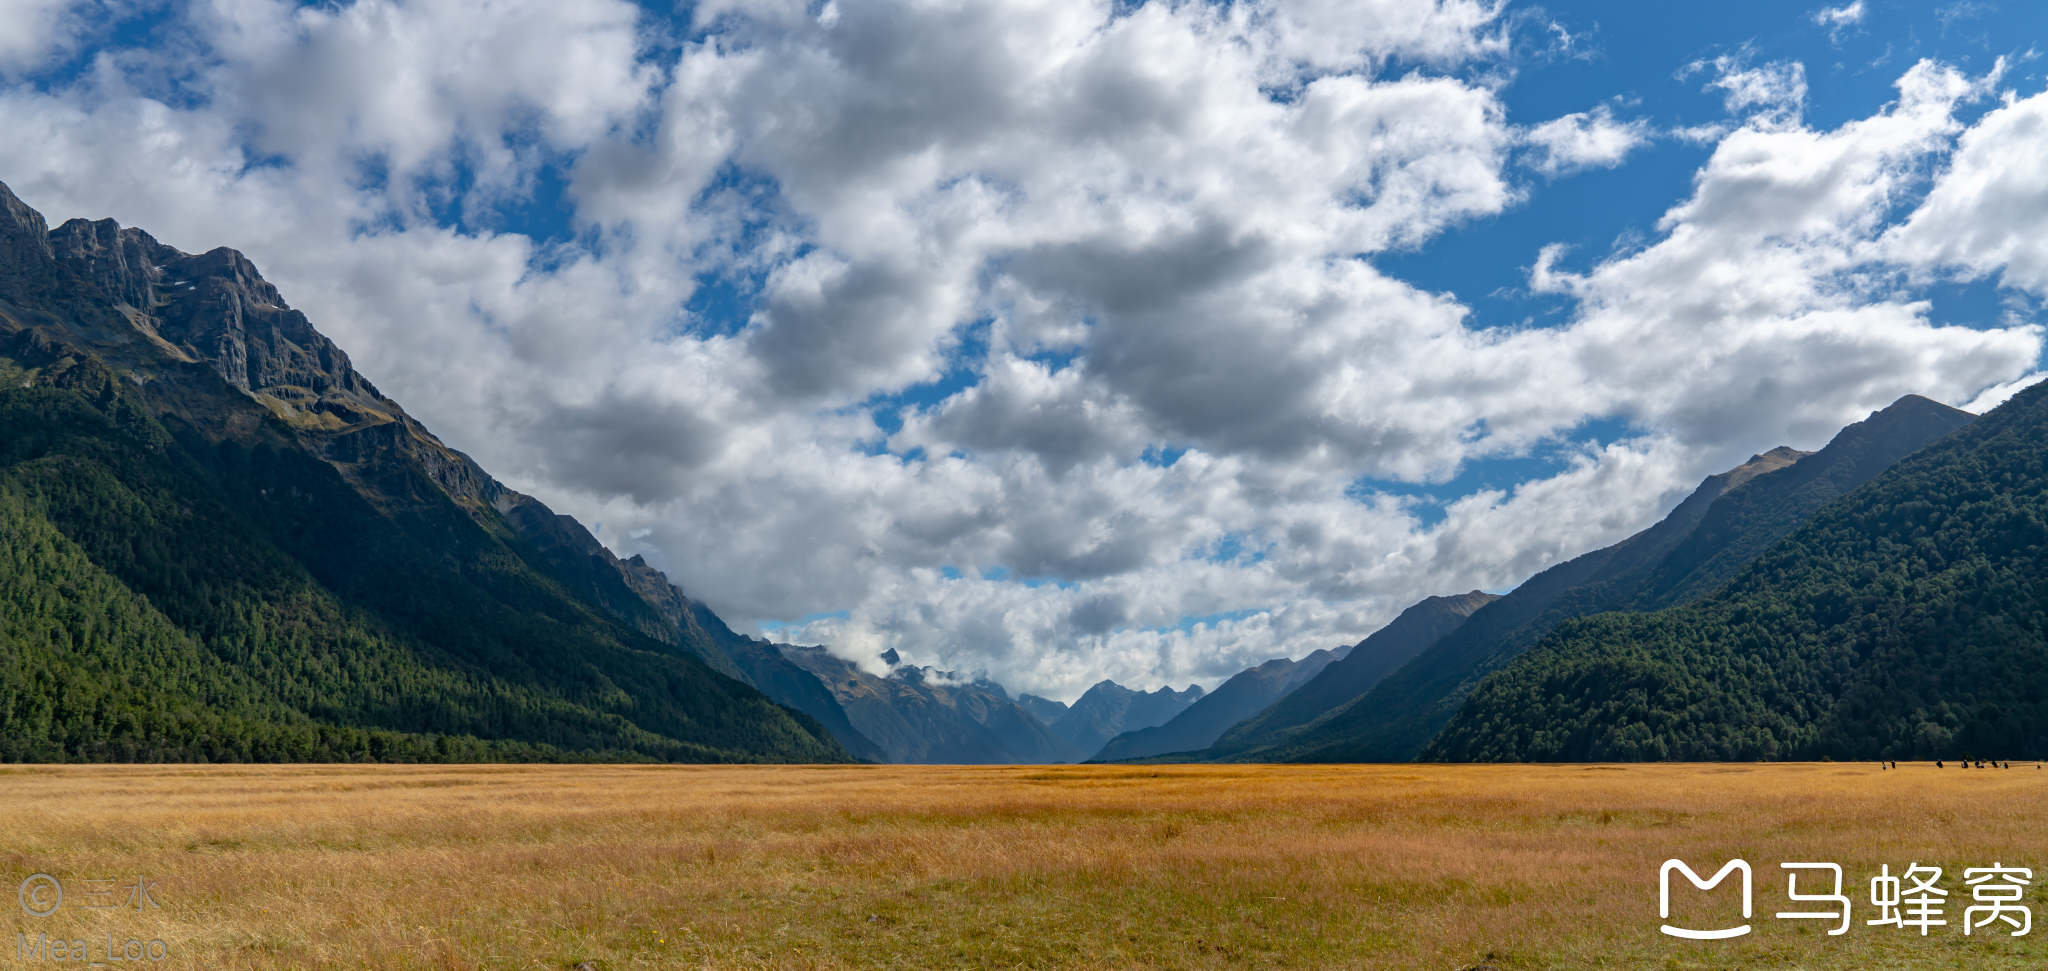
(1429, 867)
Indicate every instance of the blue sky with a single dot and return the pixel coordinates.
(1641, 58)
(1059, 339)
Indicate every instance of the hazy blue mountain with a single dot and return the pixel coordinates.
(1108, 709)
(1044, 709)
(1246, 693)
(1350, 677)
(917, 715)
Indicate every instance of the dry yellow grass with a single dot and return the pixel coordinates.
(1431, 867)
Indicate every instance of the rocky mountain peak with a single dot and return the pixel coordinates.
(122, 262)
(24, 236)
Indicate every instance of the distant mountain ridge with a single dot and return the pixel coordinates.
(183, 454)
(919, 715)
(1367, 663)
(1044, 709)
(1108, 709)
(1246, 693)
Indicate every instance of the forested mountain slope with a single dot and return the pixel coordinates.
(1393, 720)
(1753, 517)
(290, 566)
(1908, 619)
(1747, 508)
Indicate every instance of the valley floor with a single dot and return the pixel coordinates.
(1433, 867)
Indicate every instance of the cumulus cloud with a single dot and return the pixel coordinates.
(1988, 212)
(1043, 337)
(1585, 139)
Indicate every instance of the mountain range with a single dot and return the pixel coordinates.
(1393, 694)
(1108, 710)
(1333, 691)
(186, 459)
(218, 541)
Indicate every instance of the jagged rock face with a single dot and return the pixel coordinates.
(215, 307)
(122, 262)
(216, 310)
(24, 244)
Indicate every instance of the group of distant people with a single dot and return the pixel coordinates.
(1965, 763)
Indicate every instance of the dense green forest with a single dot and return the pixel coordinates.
(1696, 549)
(93, 672)
(246, 603)
(1906, 620)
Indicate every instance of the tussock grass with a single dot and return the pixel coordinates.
(1430, 867)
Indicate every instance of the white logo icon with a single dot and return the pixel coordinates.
(1664, 898)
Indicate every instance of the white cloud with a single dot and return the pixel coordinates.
(1770, 264)
(1840, 16)
(1837, 19)
(1772, 95)
(1998, 393)
(1585, 139)
(36, 31)
(1158, 418)
(1988, 211)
